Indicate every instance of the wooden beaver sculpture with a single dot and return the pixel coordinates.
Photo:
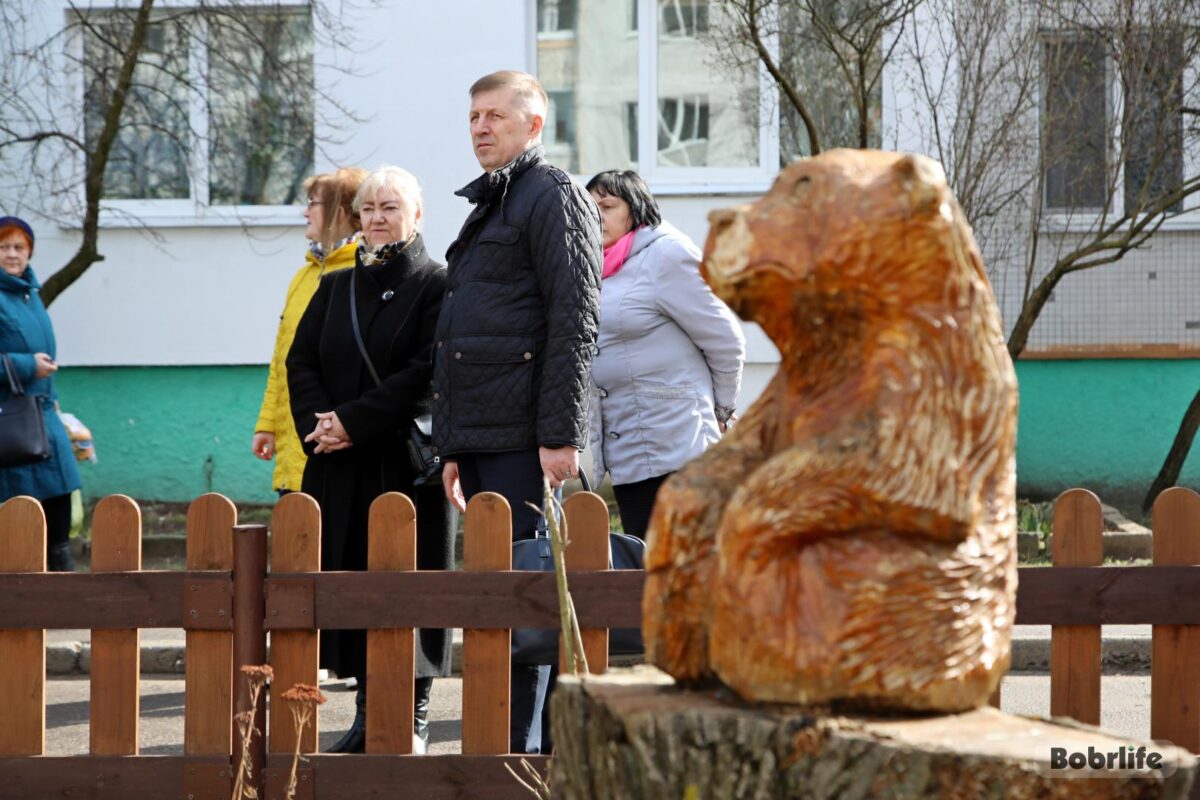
(853, 537)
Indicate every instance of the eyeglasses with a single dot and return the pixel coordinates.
(16, 247)
(314, 201)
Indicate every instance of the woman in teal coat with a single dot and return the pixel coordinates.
(27, 338)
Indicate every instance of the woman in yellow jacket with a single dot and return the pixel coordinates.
(333, 231)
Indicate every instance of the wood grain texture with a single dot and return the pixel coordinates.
(208, 671)
(1175, 649)
(116, 655)
(442, 777)
(115, 777)
(627, 736)
(391, 546)
(1075, 649)
(295, 547)
(487, 546)
(23, 652)
(875, 475)
(587, 550)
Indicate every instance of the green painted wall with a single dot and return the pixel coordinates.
(1102, 425)
(172, 433)
(169, 433)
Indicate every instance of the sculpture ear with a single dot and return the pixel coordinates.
(922, 180)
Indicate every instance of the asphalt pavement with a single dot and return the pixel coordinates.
(1125, 710)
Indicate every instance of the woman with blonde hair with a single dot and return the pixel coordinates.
(333, 233)
(359, 373)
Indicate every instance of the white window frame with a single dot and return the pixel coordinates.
(1085, 220)
(668, 180)
(193, 211)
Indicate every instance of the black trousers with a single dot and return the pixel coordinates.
(636, 502)
(517, 476)
(58, 531)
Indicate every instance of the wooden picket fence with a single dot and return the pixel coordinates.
(229, 602)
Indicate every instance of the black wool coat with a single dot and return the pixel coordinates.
(398, 306)
(518, 328)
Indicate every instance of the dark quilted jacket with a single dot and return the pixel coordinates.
(520, 315)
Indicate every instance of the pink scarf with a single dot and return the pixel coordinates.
(616, 253)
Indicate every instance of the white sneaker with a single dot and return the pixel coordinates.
(418, 746)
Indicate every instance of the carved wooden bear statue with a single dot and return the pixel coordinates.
(853, 538)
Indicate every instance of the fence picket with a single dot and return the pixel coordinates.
(116, 547)
(487, 547)
(295, 547)
(1175, 649)
(391, 545)
(23, 652)
(1075, 649)
(587, 527)
(208, 671)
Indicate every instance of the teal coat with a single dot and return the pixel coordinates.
(24, 330)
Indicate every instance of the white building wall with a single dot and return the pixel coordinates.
(198, 292)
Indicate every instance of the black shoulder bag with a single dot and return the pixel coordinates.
(418, 441)
(540, 645)
(23, 437)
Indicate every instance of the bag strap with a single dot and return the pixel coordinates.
(362, 348)
(14, 381)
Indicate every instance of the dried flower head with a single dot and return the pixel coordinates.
(262, 672)
(304, 694)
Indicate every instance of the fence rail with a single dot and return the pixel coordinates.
(289, 603)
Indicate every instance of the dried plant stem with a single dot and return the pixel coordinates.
(301, 714)
(302, 700)
(572, 638)
(256, 679)
(535, 783)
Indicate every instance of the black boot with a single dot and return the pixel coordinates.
(423, 688)
(59, 558)
(355, 739)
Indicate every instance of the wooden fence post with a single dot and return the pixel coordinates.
(23, 652)
(208, 670)
(295, 547)
(1175, 649)
(250, 641)
(1075, 649)
(116, 547)
(587, 528)
(391, 545)
(487, 547)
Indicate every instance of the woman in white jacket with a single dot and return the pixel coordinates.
(667, 365)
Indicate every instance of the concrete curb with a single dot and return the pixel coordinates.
(1122, 654)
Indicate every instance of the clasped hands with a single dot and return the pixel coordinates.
(329, 434)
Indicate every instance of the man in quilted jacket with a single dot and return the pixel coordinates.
(518, 327)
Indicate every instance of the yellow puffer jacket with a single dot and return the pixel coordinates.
(275, 416)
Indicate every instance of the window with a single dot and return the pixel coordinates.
(683, 130)
(1081, 138)
(1074, 123)
(641, 77)
(555, 16)
(683, 18)
(227, 123)
(149, 159)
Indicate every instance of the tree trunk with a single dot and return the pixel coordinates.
(1168, 476)
(638, 736)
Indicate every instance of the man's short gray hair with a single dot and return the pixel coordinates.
(398, 182)
(527, 89)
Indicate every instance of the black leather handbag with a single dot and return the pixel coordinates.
(540, 645)
(418, 436)
(23, 437)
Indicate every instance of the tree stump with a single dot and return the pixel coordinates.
(637, 735)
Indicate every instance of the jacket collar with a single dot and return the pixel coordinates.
(497, 182)
(27, 282)
(398, 265)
